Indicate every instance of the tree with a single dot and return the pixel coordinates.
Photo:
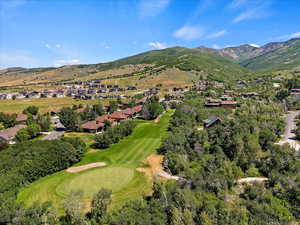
(37, 214)
(8, 120)
(33, 130)
(100, 203)
(69, 119)
(74, 208)
(266, 138)
(113, 106)
(44, 121)
(152, 110)
(282, 95)
(2, 127)
(22, 135)
(33, 110)
(98, 109)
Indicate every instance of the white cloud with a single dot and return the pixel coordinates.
(289, 36)
(52, 46)
(255, 45)
(157, 45)
(19, 58)
(63, 62)
(189, 33)
(256, 9)
(217, 34)
(215, 46)
(152, 7)
(255, 13)
(237, 3)
(294, 35)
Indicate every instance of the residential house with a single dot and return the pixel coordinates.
(9, 135)
(211, 122)
(21, 118)
(171, 104)
(211, 102)
(295, 91)
(131, 88)
(229, 104)
(118, 116)
(93, 126)
(249, 94)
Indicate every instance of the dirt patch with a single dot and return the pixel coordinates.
(251, 180)
(93, 151)
(155, 169)
(85, 167)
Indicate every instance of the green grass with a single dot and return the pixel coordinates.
(120, 174)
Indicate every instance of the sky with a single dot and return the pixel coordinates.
(41, 33)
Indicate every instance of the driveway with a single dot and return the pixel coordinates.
(53, 135)
(289, 137)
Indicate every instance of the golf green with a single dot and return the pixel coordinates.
(91, 181)
(120, 174)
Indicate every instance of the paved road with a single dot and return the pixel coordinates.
(289, 137)
(53, 135)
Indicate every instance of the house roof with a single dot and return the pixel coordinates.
(211, 121)
(10, 133)
(80, 110)
(229, 102)
(118, 115)
(129, 111)
(137, 108)
(102, 118)
(21, 118)
(92, 125)
(212, 100)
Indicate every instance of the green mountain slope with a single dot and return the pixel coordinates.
(191, 63)
(214, 66)
(287, 57)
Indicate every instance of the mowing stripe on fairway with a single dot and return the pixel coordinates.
(123, 157)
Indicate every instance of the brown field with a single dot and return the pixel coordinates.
(45, 104)
(36, 81)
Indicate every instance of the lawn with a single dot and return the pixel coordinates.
(120, 174)
(45, 104)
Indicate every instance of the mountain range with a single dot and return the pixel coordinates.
(172, 66)
(270, 57)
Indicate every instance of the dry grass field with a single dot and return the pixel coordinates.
(45, 104)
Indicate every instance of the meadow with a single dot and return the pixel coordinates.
(120, 174)
(44, 104)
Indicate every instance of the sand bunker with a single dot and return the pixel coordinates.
(155, 168)
(85, 167)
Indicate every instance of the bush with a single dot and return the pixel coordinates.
(32, 110)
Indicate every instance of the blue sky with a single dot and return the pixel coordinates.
(37, 33)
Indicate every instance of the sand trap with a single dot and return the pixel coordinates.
(85, 167)
(155, 168)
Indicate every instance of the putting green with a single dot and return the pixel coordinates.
(91, 181)
(120, 174)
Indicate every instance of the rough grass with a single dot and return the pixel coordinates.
(120, 175)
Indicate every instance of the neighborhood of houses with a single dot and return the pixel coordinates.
(94, 89)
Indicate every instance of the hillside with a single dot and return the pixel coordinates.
(270, 57)
(285, 57)
(195, 64)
